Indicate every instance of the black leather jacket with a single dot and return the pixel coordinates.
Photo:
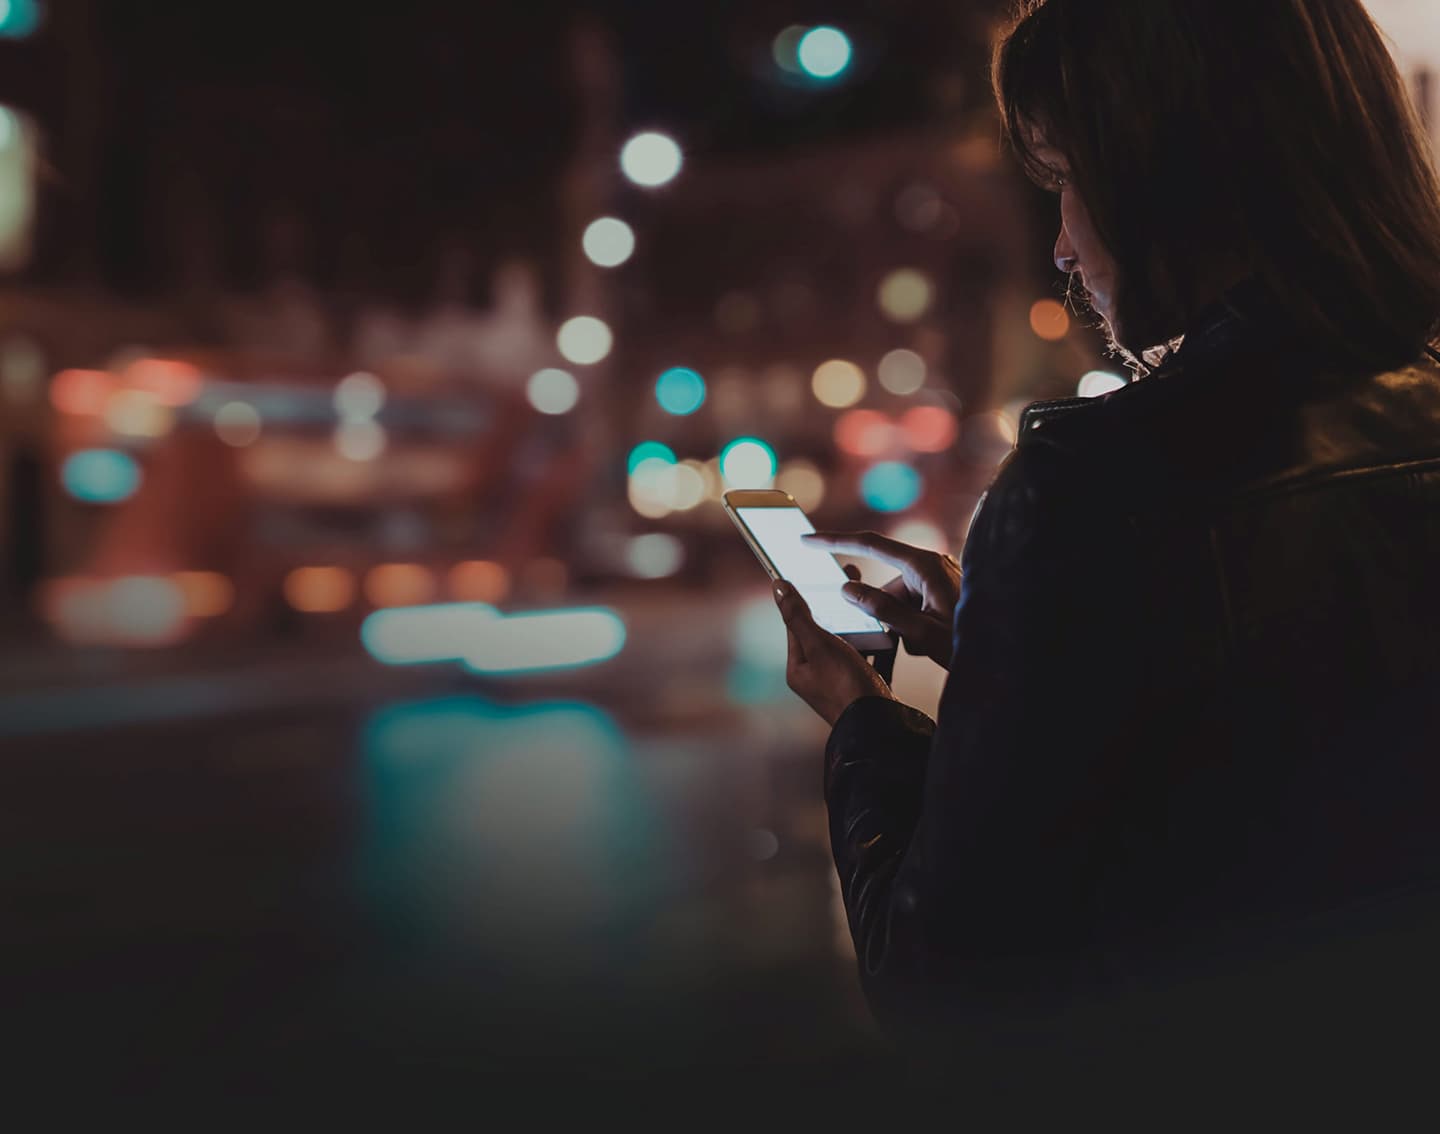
(1191, 725)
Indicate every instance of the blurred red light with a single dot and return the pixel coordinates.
(81, 392)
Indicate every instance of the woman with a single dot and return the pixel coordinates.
(1182, 800)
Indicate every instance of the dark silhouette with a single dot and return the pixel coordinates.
(1176, 829)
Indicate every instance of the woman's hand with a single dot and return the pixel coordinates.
(919, 603)
(827, 672)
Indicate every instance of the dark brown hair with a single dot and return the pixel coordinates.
(1275, 136)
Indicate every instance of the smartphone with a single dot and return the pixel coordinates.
(772, 524)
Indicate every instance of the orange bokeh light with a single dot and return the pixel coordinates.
(479, 580)
(320, 590)
(863, 433)
(929, 429)
(207, 593)
(81, 392)
(399, 584)
(1050, 320)
(169, 382)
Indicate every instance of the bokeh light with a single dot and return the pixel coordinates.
(864, 433)
(802, 480)
(100, 476)
(320, 590)
(415, 635)
(748, 462)
(920, 533)
(1049, 320)
(1100, 382)
(824, 52)
(359, 440)
(136, 413)
(608, 242)
(929, 429)
(553, 391)
(479, 580)
(167, 381)
(890, 486)
(654, 555)
(552, 639)
(400, 584)
(785, 49)
(838, 383)
(648, 450)
(680, 391)
(905, 295)
(902, 372)
(651, 488)
(238, 424)
(919, 207)
(81, 392)
(584, 340)
(651, 159)
(138, 610)
(359, 397)
(206, 593)
(688, 486)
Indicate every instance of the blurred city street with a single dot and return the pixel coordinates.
(259, 872)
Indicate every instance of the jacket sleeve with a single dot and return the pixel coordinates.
(968, 850)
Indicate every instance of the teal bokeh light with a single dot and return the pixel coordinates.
(748, 462)
(824, 52)
(680, 391)
(890, 486)
(19, 19)
(100, 476)
(649, 451)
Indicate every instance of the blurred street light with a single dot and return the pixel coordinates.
(100, 476)
(680, 391)
(609, 242)
(651, 159)
(905, 295)
(584, 340)
(238, 424)
(902, 372)
(553, 391)
(824, 52)
(838, 383)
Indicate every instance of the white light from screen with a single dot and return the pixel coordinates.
(584, 340)
(651, 159)
(609, 242)
(553, 391)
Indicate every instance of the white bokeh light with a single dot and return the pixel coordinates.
(651, 159)
(584, 340)
(609, 242)
(654, 555)
(902, 372)
(359, 440)
(1099, 382)
(238, 424)
(553, 391)
(359, 397)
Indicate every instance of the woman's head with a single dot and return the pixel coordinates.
(1194, 144)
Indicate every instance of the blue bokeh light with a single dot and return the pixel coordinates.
(100, 476)
(890, 486)
(680, 391)
(824, 52)
(648, 451)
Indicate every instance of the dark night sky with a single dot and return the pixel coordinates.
(424, 122)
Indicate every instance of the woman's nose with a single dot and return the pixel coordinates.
(1065, 257)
